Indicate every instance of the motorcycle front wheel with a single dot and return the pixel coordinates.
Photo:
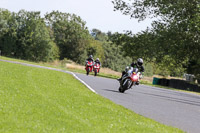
(125, 85)
(88, 70)
(95, 72)
(121, 89)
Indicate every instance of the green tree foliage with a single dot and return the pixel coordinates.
(130, 48)
(5, 15)
(95, 48)
(114, 57)
(98, 35)
(7, 32)
(27, 37)
(70, 34)
(35, 38)
(134, 45)
(175, 35)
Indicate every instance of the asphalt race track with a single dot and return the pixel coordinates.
(173, 108)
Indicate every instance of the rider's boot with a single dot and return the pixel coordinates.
(119, 79)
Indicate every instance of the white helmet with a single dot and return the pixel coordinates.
(90, 56)
(140, 61)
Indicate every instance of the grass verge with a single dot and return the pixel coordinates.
(73, 68)
(40, 100)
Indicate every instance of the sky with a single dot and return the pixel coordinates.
(97, 14)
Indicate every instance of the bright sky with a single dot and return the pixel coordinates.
(97, 14)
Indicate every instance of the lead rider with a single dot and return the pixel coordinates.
(138, 64)
(90, 58)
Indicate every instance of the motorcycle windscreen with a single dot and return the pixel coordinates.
(90, 63)
(96, 66)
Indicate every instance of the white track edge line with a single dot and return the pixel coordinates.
(83, 83)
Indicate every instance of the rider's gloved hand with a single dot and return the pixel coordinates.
(140, 76)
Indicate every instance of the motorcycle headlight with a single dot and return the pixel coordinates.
(135, 78)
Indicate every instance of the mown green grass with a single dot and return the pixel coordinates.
(18, 60)
(41, 100)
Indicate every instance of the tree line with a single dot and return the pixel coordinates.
(170, 47)
(173, 42)
(26, 35)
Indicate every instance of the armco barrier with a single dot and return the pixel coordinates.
(198, 80)
(173, 83)
(156, 81)
(176, 83)
(193, 87)
(164, 82)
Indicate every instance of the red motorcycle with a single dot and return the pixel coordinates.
(89, 67)
(96, 68)
(129, 79)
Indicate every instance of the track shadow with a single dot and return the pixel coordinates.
(112, 90)
(172, 92)
(185, 101)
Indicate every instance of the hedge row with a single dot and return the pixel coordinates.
(176, 83)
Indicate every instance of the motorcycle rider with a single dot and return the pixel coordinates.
(90, 58)
(98, 62)
(139, 65)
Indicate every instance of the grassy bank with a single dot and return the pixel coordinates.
(40, 100)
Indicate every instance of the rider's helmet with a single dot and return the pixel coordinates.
(140, 61)
(97, 59)
(90, 56)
